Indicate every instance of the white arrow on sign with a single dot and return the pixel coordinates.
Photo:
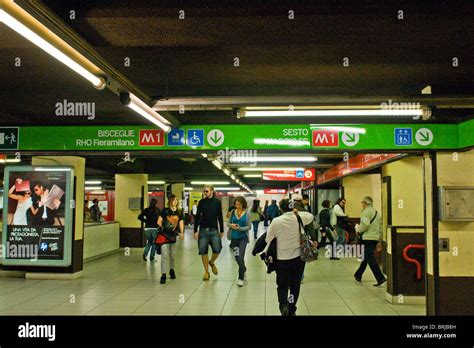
(215, 137)
(350, 139)
(424, 136)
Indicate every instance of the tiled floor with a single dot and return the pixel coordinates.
(123, 284)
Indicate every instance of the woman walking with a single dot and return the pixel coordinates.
(149, 217)
(239, 226)
(256, 214)
(171, 222)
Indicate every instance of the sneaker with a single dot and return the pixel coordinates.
(240, 282)
(144, 258)
(163, 279)
(206, 276)
(213, 268)
(285, 311)
(358, 279)
(172, 274)
(380, 282)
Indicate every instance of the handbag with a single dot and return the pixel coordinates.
(309, 250)
(161, 239)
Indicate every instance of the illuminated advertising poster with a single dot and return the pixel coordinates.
(37, 216)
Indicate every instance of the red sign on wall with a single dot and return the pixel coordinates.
(274, 191)
(152, 137)
(325, 138)
(307, 174)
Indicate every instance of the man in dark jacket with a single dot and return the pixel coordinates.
(149, 216)
(326, 228)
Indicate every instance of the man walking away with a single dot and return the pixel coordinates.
(370, 231)
(289, 266)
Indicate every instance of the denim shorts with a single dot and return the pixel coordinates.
(209, 237)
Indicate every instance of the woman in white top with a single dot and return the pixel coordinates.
(24, 203)
(289, 267)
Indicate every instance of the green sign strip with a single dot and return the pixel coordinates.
(396, 137)
(466, 134)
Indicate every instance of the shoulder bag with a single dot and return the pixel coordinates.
(309, 250)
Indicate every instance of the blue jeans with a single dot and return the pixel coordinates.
(238, 249)
(255, 228)
(150, 235)
(341, 235)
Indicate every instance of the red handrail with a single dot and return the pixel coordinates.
(411, 260)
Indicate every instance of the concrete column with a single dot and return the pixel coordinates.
(356, 187)
(404, 224)
(451, 276)
(130, 189)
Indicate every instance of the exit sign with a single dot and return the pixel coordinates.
(9, 138)
(325, 138)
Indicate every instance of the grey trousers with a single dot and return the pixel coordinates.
(168, 252)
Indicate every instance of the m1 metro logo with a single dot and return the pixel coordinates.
(325, 138)
(152, 137)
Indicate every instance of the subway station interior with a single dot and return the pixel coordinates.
(123, 102)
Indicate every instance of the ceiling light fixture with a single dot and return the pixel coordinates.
(240, 159)
(156, 182)
(30, 35)
(210, 183)
(334, 113)
(140, 107)
(252, 175)
(264, 169)
(92, 182)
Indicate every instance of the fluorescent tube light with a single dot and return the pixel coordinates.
(93, 182)
(93, 188)
(28, 34)
(210, 183)
(332, 113)
(156, 182)
(240, 159)
(140, 107)
(227, 188)
(263, 169)
(252, 175)
(227, 171)
(45, 169)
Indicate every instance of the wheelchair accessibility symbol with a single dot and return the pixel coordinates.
(195, 137)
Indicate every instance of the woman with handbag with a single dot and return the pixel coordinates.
(171, 223)
(257, 216)
(239, 226)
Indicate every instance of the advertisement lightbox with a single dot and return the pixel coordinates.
(37, 216)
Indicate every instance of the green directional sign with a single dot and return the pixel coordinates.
(359, 137)
(8, 138)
